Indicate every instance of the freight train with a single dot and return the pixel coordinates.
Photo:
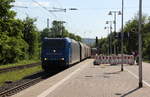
(62, 52)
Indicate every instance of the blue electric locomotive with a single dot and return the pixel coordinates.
(59, 52)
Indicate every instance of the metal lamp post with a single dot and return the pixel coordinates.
(107, 28)
(115, 16)
(110, 22)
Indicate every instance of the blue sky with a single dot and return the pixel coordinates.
(88, 21)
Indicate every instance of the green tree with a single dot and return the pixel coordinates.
(58, 30)
(5, 12)
(12, 46)
(130, 42)
(103, 46)
(146, 40)
(31, 36)
(45, 33)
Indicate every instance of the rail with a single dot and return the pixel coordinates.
(18, 88)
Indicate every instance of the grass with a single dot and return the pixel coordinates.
(18, 75)
(19, 63)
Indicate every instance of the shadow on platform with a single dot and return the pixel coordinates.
(116, 72)
(128, 93)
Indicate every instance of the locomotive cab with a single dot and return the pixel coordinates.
(54, 52)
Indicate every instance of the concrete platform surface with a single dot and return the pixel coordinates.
(86, 80)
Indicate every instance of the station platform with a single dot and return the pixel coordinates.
(87, 80)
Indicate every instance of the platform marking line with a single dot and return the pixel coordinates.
(146, 83)
(51, 89)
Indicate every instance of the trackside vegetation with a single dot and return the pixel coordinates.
(23, 62)
(20, 74)
(20, 39)
(130, 38)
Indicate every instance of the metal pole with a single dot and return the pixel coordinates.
(47, 22)
(115, 21)
(115, 31)
(140, 45)
(110, 37)
(113, 38)
(62, 32)
(108, 41)
(110, 27)
(122, 35)
(114, 47)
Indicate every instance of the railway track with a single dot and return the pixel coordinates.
(4, 70)
(28, 81)
(20, 87)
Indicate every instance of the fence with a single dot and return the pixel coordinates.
(114, 59)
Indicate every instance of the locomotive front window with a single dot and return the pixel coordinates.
(54, 44)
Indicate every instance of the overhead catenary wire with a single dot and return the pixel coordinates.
(104, 8)
(44, 8)
(20, 6)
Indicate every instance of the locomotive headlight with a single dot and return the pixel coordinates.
(45, 59)
(62, 59)
(54, 51)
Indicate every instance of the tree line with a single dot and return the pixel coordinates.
(58, 30)
(130, 38)
(21, 39)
